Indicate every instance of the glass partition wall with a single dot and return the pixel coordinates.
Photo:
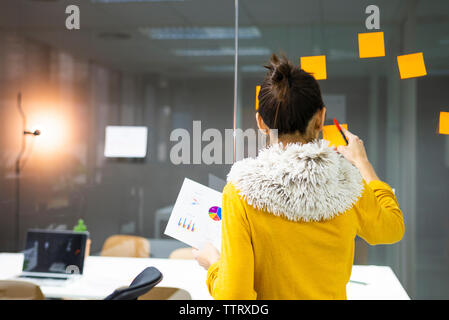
(169, 66)
(131, 63)
(397, 119)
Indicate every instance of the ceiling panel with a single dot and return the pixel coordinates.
(298, 27)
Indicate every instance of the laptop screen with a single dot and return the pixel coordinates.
(55, 251)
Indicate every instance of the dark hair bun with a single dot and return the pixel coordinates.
(289, 96)
(280, 73)
(281, 69)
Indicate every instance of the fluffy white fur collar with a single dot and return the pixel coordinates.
(308, 182)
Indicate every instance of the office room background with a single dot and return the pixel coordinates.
(164, 64)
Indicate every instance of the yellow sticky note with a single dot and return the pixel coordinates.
(371, 45)
(315, 65)
(411, 65)
(257, 97)
(331, 134)
(444, 123)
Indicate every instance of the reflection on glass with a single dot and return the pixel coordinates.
(165, 64)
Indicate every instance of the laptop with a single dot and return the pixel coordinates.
(52, 257)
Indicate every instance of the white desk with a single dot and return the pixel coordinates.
(102, 275)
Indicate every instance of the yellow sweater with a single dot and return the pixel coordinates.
(267, 256)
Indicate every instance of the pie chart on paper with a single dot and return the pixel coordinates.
(215, 213)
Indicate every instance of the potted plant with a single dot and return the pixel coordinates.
(81, 227)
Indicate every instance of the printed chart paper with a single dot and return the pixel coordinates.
(196, 216)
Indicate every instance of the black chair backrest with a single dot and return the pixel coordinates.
(143, 283)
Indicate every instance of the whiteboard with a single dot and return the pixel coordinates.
(125, 142)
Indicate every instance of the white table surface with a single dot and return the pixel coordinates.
(102, 275)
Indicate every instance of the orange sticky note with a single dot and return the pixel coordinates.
(257, 97)
(331, 134)
(315, 65)
(443, 127)
(371, 45)
(411, 65)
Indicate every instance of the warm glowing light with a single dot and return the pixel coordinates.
(53, 131)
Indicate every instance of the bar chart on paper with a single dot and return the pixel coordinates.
(187, 224)
(196, 216)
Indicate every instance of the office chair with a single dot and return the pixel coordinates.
(126, 246)
(143, 283)
(182, 253)
(20, 290)
(166, 293)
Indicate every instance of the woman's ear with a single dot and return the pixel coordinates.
(261, 124)
(322, 118)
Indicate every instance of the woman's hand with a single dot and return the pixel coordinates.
(355, 153)
(206, 256)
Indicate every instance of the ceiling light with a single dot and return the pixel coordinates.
(230, 68)
(225, 51)
(175, 33)
(253, 68)
(131, 1)
(44, 0)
